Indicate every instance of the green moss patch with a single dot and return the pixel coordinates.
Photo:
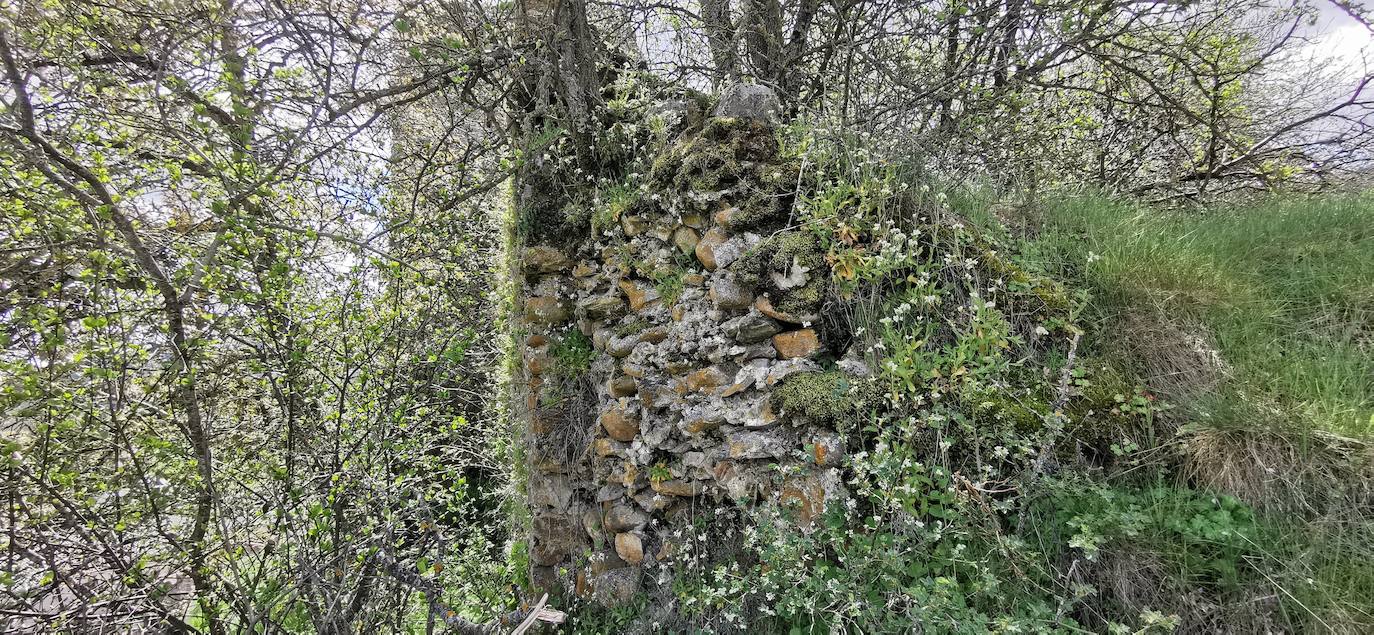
(824, 397)
(731, 154)
(791, 256)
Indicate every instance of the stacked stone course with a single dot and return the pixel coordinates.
(675, 412)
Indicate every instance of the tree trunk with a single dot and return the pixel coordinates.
(720, 36)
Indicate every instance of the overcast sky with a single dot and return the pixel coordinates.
(1338, 35)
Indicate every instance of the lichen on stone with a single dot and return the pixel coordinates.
(758, 204)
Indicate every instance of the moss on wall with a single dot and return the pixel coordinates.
(824, 397)
(788, 257)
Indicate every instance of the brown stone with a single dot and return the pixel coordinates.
(735, 389)
(581, 587)
(545, 310)
(608, 447)
(700, 425)
(622, 386)
(591, 523)
(654, 335)
(676, 487)
(807, 496)
(694, 221)
(629, 547)
(706, 379)
(730, 295)
(705, 249)
(620, 425)
(542, 422)
(766, 415)
(582, 270)
(795, 344)
(640, 295)
(765, 306)
(622, 346)
(686, 240)
(625, 518)
(724, 217)
(552, 490)
(544, 259)
(742, 482)
(616, 587)
(657, 396)
(632, 225)
(661, 231)
(539, 364)
(626, 475)
(555, 537)
(549, 465)
(535, 341)
(827, 448)
(602, 307)
(538, 426)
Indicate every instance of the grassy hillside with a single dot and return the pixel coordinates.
(1283, 290)
(1256, 324)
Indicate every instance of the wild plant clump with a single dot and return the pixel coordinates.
(566, 197)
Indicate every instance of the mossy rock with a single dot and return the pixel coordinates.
(631, 328)
(722, 154)
(759, 204)
(782, 254)
(824, 397)
(545, 216)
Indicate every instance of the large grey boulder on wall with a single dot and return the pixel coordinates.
(749, 101)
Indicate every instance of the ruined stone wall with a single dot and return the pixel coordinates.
(674, 359)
